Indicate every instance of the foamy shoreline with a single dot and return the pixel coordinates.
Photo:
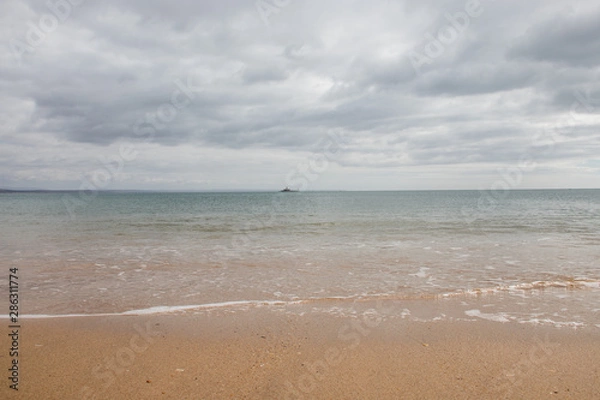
(555, 304)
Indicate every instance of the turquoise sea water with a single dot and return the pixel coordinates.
(114, 252)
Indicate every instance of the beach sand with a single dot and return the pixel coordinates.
(262, 354)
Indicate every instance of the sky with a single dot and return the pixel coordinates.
(315, 95)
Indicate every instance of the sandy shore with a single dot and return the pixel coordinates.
(261, 354)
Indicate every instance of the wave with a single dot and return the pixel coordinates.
(565, 283)
(167, 309)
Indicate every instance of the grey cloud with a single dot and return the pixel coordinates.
(476, 79)
(257, 74)
(569, 38)
(279, 89)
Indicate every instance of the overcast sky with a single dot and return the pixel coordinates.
(317, 95)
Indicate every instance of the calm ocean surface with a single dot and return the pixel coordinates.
(526, 256)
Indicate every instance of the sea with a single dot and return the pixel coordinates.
(519, 256)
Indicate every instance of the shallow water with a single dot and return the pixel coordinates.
(533, 255)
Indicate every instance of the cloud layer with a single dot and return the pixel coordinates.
(245, 94)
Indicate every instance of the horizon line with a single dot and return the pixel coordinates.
(14, 190)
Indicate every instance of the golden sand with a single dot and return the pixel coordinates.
(261, 354)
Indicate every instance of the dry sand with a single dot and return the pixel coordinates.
(262, 354)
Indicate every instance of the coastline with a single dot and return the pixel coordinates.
(260, 353)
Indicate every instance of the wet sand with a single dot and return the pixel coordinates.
(262, 354)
